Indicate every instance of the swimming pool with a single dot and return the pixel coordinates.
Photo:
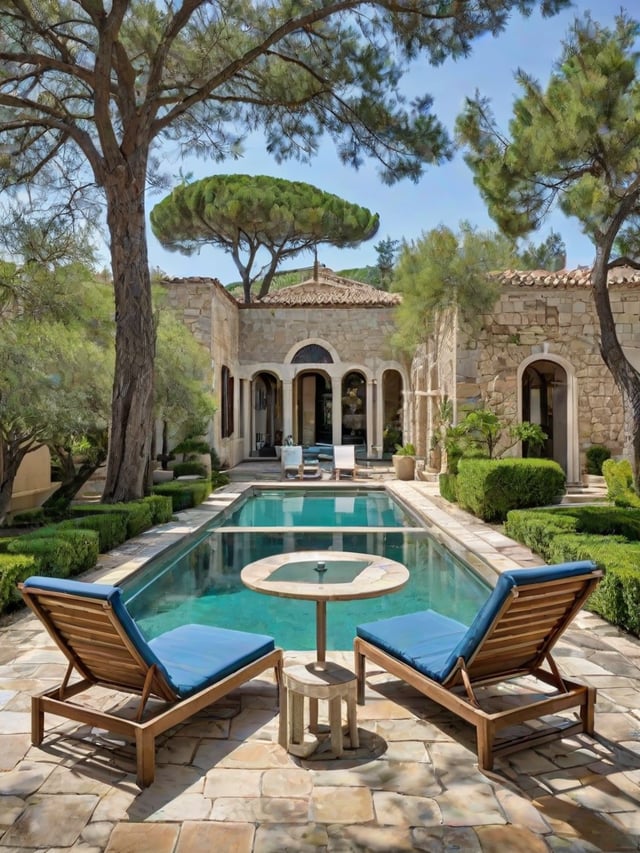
(200, 581)
(319, 507)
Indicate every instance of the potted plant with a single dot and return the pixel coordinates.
(404, 461)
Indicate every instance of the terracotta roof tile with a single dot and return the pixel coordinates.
(579, 277)
(330, 289)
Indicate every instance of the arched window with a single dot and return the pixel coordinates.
(312, 354)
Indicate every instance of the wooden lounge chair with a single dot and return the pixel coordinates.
(188, 668)
(344, 461)
(293, 464)
(511, 636)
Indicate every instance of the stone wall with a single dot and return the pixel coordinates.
(358, 334)
(556, 322)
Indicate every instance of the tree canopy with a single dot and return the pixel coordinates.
(89, 90)
(575, 143)
(248, 216)
(444, 269)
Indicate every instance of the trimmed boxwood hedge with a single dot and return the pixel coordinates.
(85, 543)
(184, 494)
(14, 568)
(110, 526)
(489, 488)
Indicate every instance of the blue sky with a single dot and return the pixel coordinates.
(445, 194)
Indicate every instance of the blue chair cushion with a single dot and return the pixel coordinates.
(190, 657)
(196, 656)
(432, 643)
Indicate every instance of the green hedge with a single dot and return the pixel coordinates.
(85, 543)
(111, 528)
(489, 488)
(537, 529)
(617, 597)
(185, 494)
(182, 469)
(138, 514)
(447, 484)
(14, 568)
(161, 508)
(54, 555)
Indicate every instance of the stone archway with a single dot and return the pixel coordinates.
(266, 414)
(548, 397)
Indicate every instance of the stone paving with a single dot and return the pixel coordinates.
(223, 783)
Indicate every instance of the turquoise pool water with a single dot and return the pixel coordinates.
(319, 507)
(200, 582)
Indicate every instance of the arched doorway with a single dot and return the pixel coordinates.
(267, 414)
(392, 410)
(312, 404)
(545, 401)
(354, 408)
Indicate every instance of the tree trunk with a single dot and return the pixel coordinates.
(132, 402)
(624, 374)
(10, 459)
(73, 479)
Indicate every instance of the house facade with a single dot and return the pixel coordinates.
(310, 363)
(314, 362)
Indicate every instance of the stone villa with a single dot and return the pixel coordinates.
(314, 362)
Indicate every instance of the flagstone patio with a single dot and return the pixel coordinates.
(223, 783)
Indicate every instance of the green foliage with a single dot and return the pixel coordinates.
(191, 447)
(550, 255)
(14, 568)
(111, 527)
(28, 517)
(186, 469)
(407, 449)
(448, 486)
(575, 143)
(85, 544)
(182, 376)
(619, 479)
(537, 530)
(205, 76)
(248, 215)
(596, 455)
(489, 488)
(54, 554)
(616, 598)
(441, 271)
(482, 433)
(184, 495)
(138, 514)
(161, 508)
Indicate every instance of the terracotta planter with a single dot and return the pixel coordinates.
(404, 467)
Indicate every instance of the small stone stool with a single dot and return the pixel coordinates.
(318, 680)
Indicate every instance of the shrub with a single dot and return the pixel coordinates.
(489, 488)
(617, 597)
(138, 514)
(54, 554)
(186, 494)
(28, 517)
(537, 529)
(85, 544)
(447, 484)
(161, 508)
(14, 568)
(596, 455)
(185, 469)
(619, 479)
(110, 526)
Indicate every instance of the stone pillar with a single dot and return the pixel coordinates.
(336, 410)
(287, 409)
